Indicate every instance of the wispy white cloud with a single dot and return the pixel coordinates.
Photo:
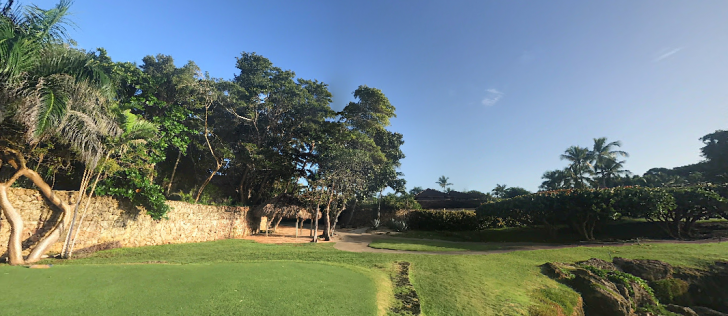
(666, 53)
(492, 97)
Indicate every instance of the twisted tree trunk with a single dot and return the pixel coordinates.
(15, 250)
(17, 161)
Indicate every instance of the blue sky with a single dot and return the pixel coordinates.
(487, 92)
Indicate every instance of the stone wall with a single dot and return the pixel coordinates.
(113, 223)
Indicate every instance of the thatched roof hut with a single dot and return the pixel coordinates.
(284, 205)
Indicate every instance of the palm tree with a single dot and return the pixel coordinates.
(443, 182)
(580, 169)
(50, 91)
(24, 36)
(604, 154)
(610, 170)
(555, 180)
(135, 131)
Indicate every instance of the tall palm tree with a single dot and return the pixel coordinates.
(580, 167)
(442, 181)
(604, 154)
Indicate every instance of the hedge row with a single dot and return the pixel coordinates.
(676, 209)
(443, 220)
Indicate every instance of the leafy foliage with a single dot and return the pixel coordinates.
(133, 185)
(443, 220)
(676, 209)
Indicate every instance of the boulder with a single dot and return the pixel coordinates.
(681, 310)
(704, 311)
(599, 264)
(601, 297)
(649, 270)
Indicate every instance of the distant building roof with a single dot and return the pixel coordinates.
(431, 194)
(455, 195)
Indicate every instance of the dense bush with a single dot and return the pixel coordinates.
(675, 209)
(691, 204)
(131, 184)
(582, 210)
(443, 220)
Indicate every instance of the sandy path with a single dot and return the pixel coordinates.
(358, 240)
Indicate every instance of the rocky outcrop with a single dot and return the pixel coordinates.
(645, 287)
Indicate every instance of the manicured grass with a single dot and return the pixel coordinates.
(624, 229)
(430, 245)
(495, 284)
(252, 288)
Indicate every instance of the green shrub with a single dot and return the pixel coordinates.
(136, 187)
(443, 220)
(668, 290)
(582, 210)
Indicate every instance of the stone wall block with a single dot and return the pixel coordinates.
(112, 222)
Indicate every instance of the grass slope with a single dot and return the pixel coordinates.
(496, 284)
(269, 288)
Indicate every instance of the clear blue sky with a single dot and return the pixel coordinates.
(486, 92)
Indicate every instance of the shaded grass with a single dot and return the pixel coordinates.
(430, 245)
(495, 284)
(270, 288)
(624, 229)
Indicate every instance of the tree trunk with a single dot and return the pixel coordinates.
(315, 230)
(242, 195)
(15, 242)
(17, 161)
(85, 209)
(327, 233)
(351, 215)
(174, 171)
(379, 205)
(275, 228)
(297, 227)
(267, 225)
(207, 181)
(87, 174)
(336, 218)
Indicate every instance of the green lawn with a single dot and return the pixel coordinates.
(430, 245)
(253, 288)
(495, 284)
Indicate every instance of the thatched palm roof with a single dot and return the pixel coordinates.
(285, 205)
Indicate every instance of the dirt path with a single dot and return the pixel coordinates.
(358, 241)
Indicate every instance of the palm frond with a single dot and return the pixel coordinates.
(77, 64)
(136, 128)
(49, 26)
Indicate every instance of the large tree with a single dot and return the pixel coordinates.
(370, 115)
(715, 153)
